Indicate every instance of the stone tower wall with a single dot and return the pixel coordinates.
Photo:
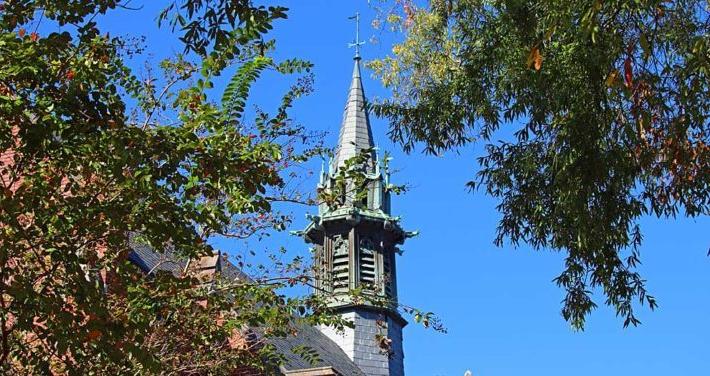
(361, 345)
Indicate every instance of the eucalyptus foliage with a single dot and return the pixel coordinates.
(593, 115)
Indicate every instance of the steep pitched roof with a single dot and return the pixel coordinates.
(355, 131)
(150, 261)
(329, 353)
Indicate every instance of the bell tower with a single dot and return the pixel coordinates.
(355, 244)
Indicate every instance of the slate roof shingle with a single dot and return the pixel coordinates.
(329, 353)
(355, 131)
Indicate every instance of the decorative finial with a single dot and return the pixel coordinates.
(322, 173)
(357, 43)
(377, 161)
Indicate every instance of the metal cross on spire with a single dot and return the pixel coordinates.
(357, 43)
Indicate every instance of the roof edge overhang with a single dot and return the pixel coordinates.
(355, 216)
(390, 312)
(317, 371)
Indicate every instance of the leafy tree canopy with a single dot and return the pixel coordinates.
(607, 106)
(90, 152)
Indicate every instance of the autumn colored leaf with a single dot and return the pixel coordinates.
(628, 73)
(93, 335)
(534, 59)
(39, 324)
(611, 78)
(34, 37)
(21, 33)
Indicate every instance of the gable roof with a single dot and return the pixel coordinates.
(150, 261)
(329, 353)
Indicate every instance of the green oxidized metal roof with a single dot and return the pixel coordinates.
(348, 213)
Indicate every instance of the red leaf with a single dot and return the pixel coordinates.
(70, 75)
(628, 73)
(94, 334)
(21, 33)
(34, 37)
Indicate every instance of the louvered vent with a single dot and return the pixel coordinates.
(340, 265)
(321, 270)
(367, 262)
(387, 272)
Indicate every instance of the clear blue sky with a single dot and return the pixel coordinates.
(499, 304)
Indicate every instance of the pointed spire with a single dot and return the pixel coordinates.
(355, 131)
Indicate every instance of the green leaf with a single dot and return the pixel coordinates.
(237, 90)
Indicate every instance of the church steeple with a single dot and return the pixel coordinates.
(356, 239)
(355, 244)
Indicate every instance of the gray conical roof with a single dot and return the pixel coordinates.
(355, 132)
